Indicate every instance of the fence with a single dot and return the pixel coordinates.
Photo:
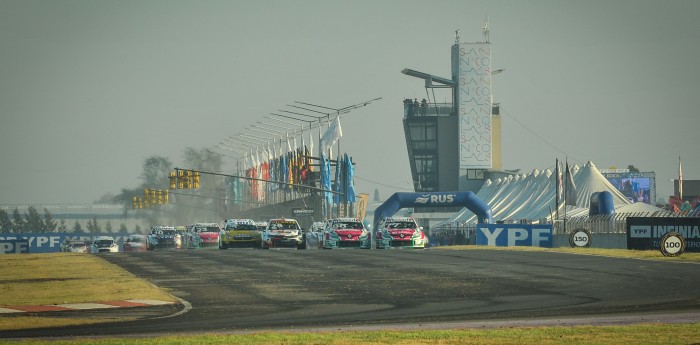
(598, 224)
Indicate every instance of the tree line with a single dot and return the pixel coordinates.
(33, 222)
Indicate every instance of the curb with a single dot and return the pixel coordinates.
(130, 303)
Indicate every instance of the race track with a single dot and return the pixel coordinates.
(252, 289)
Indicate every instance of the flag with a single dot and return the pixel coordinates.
(337, 184)
(333, 133)
(559, 186)
(349, 185)
(570, 191)
(680, 180)
(311, 143)
(326, 178)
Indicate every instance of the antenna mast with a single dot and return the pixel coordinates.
(486, 30)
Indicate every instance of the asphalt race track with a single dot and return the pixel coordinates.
(253, 289)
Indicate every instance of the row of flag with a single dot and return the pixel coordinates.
(566, 188)
(292, 168)
(343, 184)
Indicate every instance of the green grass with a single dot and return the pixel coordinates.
(59, 278)
(611, 335)
(41, 278)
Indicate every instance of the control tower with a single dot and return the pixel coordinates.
(455, 145)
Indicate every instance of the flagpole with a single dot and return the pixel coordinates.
(566, 187)
(680, 180)
(556, 183)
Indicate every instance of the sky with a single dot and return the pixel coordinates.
(90, 89)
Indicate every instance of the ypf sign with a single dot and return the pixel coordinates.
(20, 246)
(510, 235)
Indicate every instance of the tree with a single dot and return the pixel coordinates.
(137, 229)
(5, 222)
(62, 226)
(122, 228)
(49, 223)
(202, 159)
(92, 226)
(108, 227)
(156, 170)
(632, 168)
(18, 223)
(33, 221)
(77, 228)
(376, 195)
(126, 197)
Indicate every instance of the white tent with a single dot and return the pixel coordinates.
(532, 197)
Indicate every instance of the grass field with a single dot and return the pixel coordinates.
(73, 278)
(613, 335)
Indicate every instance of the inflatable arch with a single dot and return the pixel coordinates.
(436, 199)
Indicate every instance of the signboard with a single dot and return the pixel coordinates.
(51, 242)
(362, 206)
(474, 105)
(302, 212)
(645, 233)
(510, 235)
(635, 186)
(580, 238)
(14, 246)
(672, 244)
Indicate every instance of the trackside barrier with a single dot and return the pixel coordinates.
(20, 246)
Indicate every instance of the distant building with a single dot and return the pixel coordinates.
(455, 146)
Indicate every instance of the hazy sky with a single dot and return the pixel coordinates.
(89, 89)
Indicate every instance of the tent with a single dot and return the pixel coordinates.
(532, 196)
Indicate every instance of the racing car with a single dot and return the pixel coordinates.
(163, 237)
(400, 232)
(283, 232)
(239, 233)
(345, 233)
(203, 234)
(104, 244)
(74, 246)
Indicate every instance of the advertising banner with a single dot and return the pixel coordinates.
(14, 246)
(474, 105)
(645, 233)
(51, 242)
(510, 235)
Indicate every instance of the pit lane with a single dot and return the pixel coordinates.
(252, 289)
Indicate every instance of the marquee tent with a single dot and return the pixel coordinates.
(532, 196)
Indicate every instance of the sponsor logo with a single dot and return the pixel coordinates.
(640, 231)
(435, 199)
(509, 235)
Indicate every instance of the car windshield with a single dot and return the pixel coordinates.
(136, 239)
(207, 229)
(348, 225)
(104, 243)
(401, 225)
(77, 245)
(169, 232)
(284, 226)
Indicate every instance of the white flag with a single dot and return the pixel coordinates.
(680, 179)
(333, 133)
